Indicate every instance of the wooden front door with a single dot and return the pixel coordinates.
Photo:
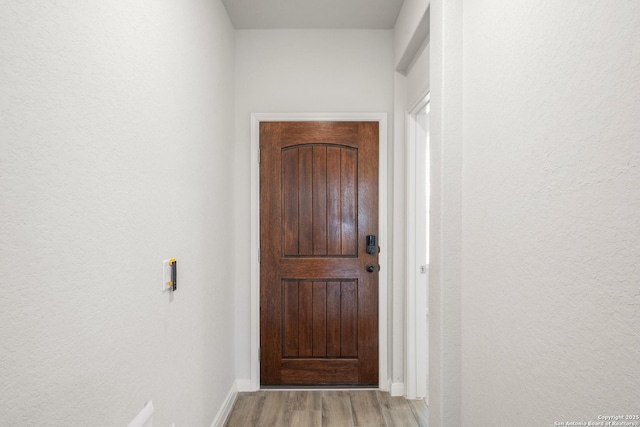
(318, 283)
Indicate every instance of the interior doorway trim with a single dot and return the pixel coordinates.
(383, 260)
(417, 295)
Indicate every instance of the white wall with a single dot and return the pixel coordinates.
(410, 29)
(293, 71)
(116, 142)
(418, 77)
(446, 213)
(548, 112)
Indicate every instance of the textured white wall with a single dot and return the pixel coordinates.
(116, 153)
(295, 71)
(551, 202)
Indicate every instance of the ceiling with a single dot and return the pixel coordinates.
(357, 14)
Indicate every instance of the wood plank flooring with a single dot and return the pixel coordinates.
(326, 409)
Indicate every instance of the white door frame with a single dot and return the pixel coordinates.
(383, 260)
(416, 303)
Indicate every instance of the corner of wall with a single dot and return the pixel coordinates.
(397, 389)
(244, 385)
(445, 386)
(227, 406)
(411, 29)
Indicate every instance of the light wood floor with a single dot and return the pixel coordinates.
(326, 409)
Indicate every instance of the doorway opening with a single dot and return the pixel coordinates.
(417, 292)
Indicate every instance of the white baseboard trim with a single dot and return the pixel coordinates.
(397, 389)
(244, 385)
(227, 406)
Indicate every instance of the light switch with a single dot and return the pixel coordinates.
(166, 275)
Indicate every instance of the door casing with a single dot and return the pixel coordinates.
(416, 291)
(383, 259)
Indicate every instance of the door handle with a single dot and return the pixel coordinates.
(371, 244)
(372, 267)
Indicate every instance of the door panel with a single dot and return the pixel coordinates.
(310, 307)
(318, 202)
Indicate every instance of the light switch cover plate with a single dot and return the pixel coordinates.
(166, 275)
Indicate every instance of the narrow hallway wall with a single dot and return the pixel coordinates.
(551, 232)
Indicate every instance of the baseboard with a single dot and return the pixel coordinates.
(244, 385)
(397, 389)
(227, 406)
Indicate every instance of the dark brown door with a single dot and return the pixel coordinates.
(318, 284)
